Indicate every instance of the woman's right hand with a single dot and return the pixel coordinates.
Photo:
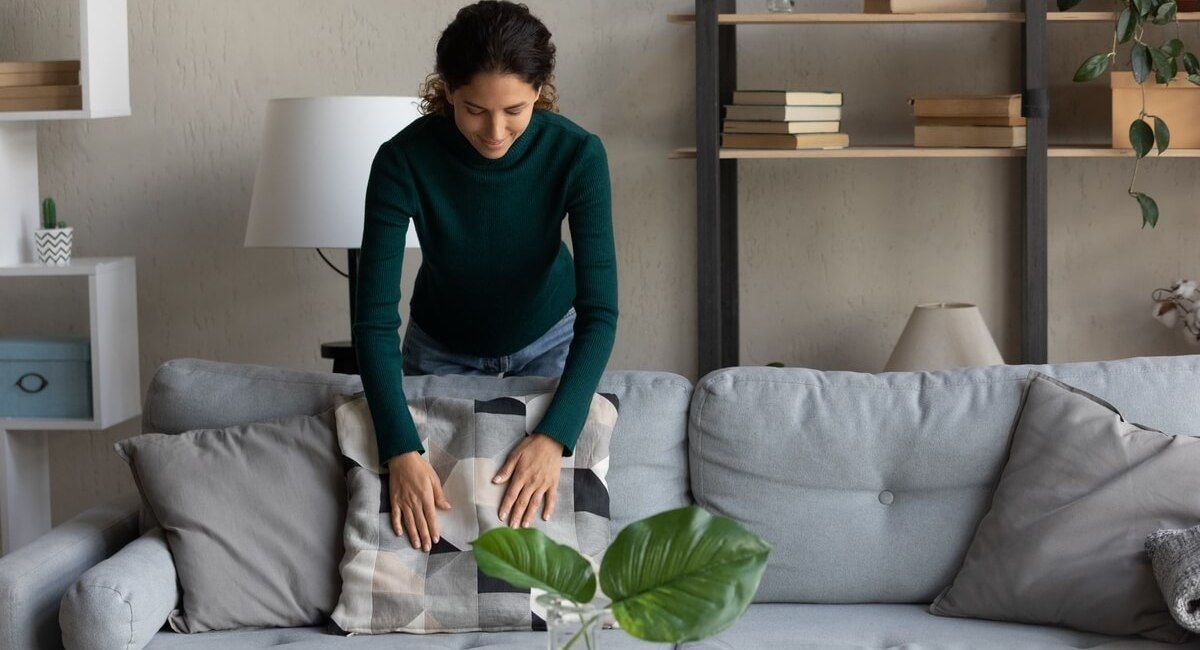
(415, 489)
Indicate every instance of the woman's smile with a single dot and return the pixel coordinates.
(493, 144)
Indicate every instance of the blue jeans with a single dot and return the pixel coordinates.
(546, 356)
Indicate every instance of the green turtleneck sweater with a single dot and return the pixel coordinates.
(495, 274)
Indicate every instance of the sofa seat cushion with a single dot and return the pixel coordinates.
(317, 638)
(907, 627)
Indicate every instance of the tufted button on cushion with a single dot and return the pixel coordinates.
(886, 498)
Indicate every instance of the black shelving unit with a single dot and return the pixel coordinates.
(716, 187)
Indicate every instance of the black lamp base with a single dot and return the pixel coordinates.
(342, 353)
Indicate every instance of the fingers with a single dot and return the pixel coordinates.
(430, 515)
(518, 513)
(438, 496)
(397, 527)
(410, 524)
(506, 469)
(551, 496)
(422, 525)
(510, 495)
(534, 502)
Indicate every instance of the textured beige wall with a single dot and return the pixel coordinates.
(833, 253)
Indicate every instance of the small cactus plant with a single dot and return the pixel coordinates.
(776, 364)
(50, 215)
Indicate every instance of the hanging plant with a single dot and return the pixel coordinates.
(1164, 60)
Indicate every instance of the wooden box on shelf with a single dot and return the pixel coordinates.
(923, 6)
(40, 86)
(1177, 102)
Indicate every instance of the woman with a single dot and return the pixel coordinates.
(486, 175)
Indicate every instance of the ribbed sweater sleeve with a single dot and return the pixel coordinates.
(390, 201)
(589, 215)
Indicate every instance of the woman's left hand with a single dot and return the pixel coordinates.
(533, 467)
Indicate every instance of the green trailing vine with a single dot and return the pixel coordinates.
(1144, 58)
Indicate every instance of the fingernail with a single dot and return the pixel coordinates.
(504, 515)
(436, 540)
(426, 548)
(495, 479)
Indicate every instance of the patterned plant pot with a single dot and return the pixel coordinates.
(54, 245)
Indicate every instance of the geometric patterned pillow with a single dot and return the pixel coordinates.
(388, 586)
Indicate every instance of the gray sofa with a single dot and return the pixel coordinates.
(868, 486)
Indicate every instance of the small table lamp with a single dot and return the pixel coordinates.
(311, 183)
(941, 335)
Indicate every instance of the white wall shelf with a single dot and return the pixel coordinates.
(103, 53)
(116, 392)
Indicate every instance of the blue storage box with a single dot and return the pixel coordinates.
(45, 378)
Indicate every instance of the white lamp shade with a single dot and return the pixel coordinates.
(942, 335)
(311, 182)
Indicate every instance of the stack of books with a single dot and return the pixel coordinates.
(923, 6)
(40, 86)
(784, 119)
(969, 121)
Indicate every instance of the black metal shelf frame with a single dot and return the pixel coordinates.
(716, 188)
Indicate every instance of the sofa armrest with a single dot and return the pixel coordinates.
(123, 601)
(34, 578)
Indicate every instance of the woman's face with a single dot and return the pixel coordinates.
(493, 110)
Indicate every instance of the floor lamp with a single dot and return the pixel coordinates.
(311, 182)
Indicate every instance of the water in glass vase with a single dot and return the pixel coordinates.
(571, 625)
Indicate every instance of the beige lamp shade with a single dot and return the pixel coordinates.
(941, 335)
(311, 184)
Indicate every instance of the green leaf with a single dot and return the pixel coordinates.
(1165, 13)
(1140, 57)
(1164, 66)
(1066, 5)
(1191, 63)
(682, 575)
(1174, 47)
(1141, 136)
(1162, 135)
(1149, 209)
(1144, 7)
(526, 557)
(1092, 68)
(1125, 25)
(1194, 78)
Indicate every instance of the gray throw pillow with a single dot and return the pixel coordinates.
(253, 517)
(388, 586)
(1063, 541)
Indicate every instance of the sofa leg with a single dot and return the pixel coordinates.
(24, 488)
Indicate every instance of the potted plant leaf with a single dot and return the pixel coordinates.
(1164, 60)
(53, 239)
(680, 575)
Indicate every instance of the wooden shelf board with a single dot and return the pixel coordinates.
(863, 152)
(1109, 152)
(853, 18)
(1106, 16)
(932, 152)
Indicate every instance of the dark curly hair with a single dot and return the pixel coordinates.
(493, 36)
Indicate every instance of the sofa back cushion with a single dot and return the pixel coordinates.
(648, 470)
(870, 487)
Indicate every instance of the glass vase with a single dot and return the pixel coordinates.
(785, 6)
(571, 625)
